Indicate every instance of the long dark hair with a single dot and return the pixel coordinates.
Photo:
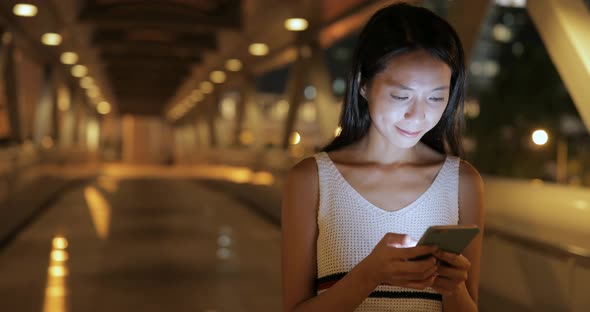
(393, 30)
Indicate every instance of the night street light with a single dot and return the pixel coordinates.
(540, 137)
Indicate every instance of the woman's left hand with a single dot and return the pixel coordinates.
(452, 272)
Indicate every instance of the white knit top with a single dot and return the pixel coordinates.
(350, 227)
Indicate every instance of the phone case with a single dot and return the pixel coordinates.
(451, 239)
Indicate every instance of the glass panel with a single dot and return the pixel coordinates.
(514, 91)
(4, 114)
(339, 59)
(29, 79)
(272, 103)
(440, 7)
(4, 121)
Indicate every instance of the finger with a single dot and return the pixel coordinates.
(394, 239)
(454, 260)
(421, 285)
(444, 285)
(419, 266)
(413, 252)
(452, 273)
(416, 276)
(428, 274)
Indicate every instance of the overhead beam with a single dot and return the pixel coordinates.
(153, 47)
(144, 88)
(145, 72)
(148, 64)
(563, 26)
(184, 54)
(330, 31)
(467, 16)
(129, 57)
(163, 15)
(142, 65)
(170, 40)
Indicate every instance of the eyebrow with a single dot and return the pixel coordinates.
(401, 86)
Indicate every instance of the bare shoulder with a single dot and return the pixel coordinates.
(470, 194)
(469, 176)
(302, 183)
(305, 170)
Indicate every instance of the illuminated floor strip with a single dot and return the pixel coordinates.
(56, 290)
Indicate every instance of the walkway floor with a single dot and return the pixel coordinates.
(143, 245)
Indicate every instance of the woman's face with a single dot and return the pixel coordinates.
(407, 99)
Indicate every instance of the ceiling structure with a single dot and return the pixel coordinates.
(146, 55)
(147, 48)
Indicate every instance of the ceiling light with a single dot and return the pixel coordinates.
(51, 39)
(24, 9)
(258, 49)
(196, 96)
(233, 65)
(69, 58)
(93, 93)
(296, 24)
(87, 82)
(206, 87)
(103, 107)
(217, 76)
(79, 71)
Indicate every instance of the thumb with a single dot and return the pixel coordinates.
(395, 240)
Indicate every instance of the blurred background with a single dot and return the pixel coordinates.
(144, 144)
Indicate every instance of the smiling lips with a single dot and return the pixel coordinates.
(408, 134)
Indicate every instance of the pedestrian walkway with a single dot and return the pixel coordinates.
(143, 245)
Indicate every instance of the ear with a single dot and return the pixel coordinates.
(363, 86)
(363, 92)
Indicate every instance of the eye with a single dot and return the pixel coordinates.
(399, 98)
(437, 99)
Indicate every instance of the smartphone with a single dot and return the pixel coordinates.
(450, 238)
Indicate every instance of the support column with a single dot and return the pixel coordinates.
(65, 99)
(467, 16)
(328, 110)
(240, 112)
(44, 115)
(296, 84)
(10, 87)
(202, 129)
(212, 112)
(253, 116)
(248, 114)
(563, 26)
(55, 125)
(81, 111)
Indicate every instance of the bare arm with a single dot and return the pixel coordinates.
(299, 234)
(470, 212)
(385, 265)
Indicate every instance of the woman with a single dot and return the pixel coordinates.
(351, 214)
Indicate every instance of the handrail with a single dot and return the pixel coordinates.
(563, 250)
(580, 254)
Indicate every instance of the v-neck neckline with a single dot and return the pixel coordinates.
(363, 199)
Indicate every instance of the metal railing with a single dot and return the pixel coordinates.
(578, 254)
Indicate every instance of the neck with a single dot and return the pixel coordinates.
(377, 149)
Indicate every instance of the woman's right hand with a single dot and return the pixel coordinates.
(390, 263)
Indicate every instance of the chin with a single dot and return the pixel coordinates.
(404, 142)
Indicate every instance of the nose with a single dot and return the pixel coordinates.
(416, 111)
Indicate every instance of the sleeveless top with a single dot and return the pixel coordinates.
(350, 227)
